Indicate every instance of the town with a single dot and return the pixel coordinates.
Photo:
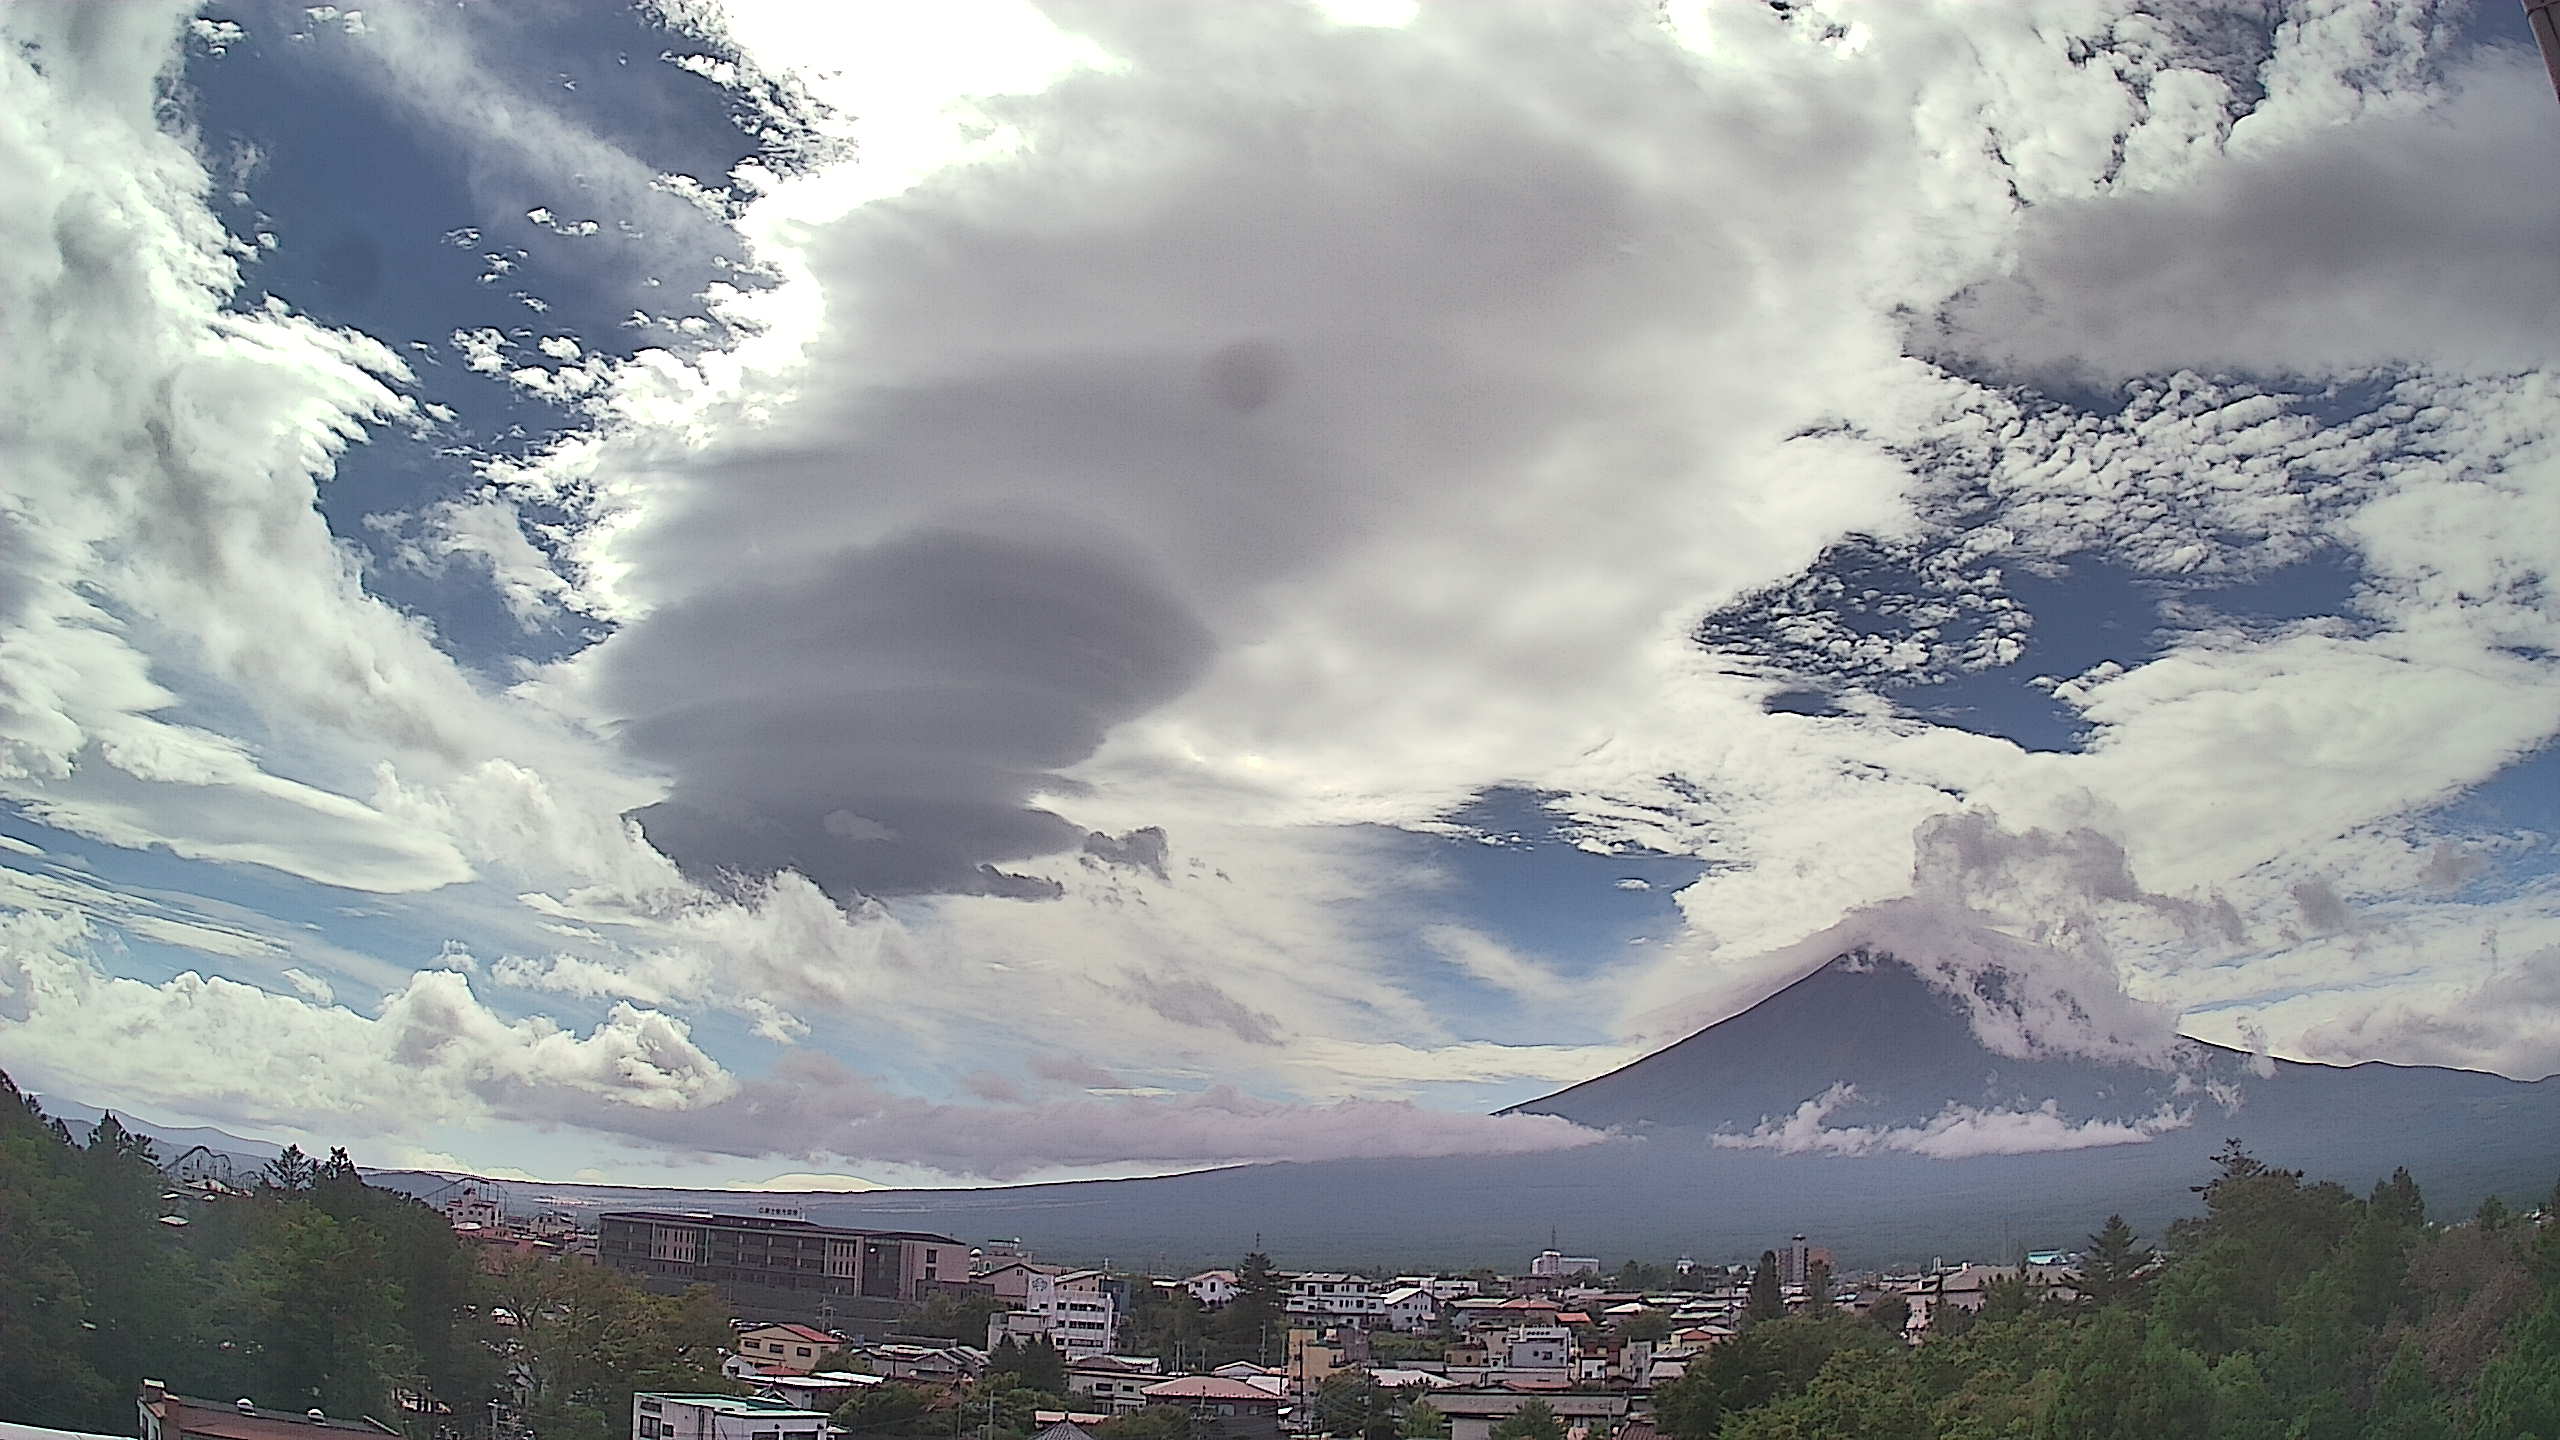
(838, 1332)
(197, 1298)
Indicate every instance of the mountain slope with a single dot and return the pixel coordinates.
(1668, 1185)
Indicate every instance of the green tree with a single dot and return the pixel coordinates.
(2123, 1385)
(2397, 1200)
(1764, 1300)
(1155, 1422)
(2245, 1407)
(2114, 1269)
(290, 1171)
(1534, 1420)
(1347, 1401)
(884, 1409)
(1423, 1421)
(956, 1317)
(1767, 1362)
(1645, 1325)
(1817, 1284)
(586, 1338)
(1254, 1325)
(1037, 1364)
(1890, 1312)
(45, 1379)
(1852, 1395)
(2493, 1215)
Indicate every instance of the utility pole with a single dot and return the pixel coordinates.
(2544, 17)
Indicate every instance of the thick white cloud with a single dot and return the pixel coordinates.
(1954, 1133)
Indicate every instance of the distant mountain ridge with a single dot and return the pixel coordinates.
(1716, 1154)
(1701, 1164)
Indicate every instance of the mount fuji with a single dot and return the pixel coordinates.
(1860, 1105)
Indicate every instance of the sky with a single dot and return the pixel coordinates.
(732, 593)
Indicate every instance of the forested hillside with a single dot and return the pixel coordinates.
(313, 1289)
(2289, 1310)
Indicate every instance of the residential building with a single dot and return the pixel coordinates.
(1221, 1409)
(164, 1416)
(1390, 1377)
(1967, 1286)
(822, 1392)
(1116, 1383)
(1328, 1295)
(1212, 1288)
(1795, 1263)
(1473, 1413)
(657, 1416)
(472, 1208)
(1537, 1347)
(1555, 1265)
(932, 1364)
(1442, 1287)
(785, 1349)
(1409, 1308)
(1315, 1352)
(1064, 1430)
(1075, 1311)
(752, 1255)
(1010, 1280)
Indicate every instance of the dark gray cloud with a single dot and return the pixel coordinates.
(1140, 849)
(2331, 252)
(1150, 397)
(1200, 1003)
(879, 721)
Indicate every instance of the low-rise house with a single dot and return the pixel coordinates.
(931, 1364)
(823, 1391)
(164, 1416)
(656, 1416)
(785, 1349)
(1212, 1288)
(1409, 1308)
(1221, 1409)
(1968, 1286)
(1393, 1377)
(1473, 1413)
(1117, 1383)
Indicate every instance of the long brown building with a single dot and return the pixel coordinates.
(178, 1417)
(770, 1253)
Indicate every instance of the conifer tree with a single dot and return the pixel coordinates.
(1765, 1301)
(2111, 1272)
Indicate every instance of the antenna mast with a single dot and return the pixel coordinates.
(2544, 17)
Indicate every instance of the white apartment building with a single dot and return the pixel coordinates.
(1537, 1347)
(1443, 1288)
(1409, 1308)
(722, 1417)
(1072, 1310)
(1556, 1265)
(1330, 1296)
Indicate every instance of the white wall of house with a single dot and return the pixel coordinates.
(697, 1417)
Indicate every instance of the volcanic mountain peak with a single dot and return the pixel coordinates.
(1905, 1049)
